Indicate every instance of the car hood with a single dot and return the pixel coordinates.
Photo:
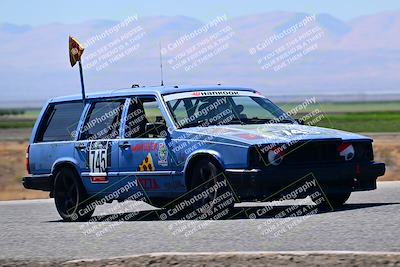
(267, 133)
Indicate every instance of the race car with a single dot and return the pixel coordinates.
(191, 149)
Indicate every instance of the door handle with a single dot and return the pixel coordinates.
(124, 145)
(80, 146)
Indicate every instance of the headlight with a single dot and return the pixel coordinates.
(265, 155)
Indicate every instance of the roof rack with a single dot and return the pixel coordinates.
(135, 86)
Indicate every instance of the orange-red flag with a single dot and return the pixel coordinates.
(75, 50)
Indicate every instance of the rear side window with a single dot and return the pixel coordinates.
(103, 120)
(60, 122)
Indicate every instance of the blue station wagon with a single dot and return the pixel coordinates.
(188, 148)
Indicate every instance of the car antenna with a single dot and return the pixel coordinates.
(161, 69)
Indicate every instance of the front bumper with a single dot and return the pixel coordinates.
(37, 182)
(274, 181)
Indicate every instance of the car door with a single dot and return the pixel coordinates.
(144, 156)
(97, 147)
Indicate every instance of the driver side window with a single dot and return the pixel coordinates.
(144, 119)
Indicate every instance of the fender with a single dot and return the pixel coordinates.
(66, 160)
(215, 154)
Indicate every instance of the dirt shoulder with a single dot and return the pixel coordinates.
(12, 166)
(387, 150)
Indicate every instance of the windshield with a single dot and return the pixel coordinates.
(224, 110)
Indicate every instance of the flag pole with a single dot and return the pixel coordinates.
(82, 83)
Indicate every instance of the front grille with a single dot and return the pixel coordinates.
(309, 152)
(312, 152)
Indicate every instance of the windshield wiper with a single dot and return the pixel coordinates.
(284, 121)
(188, 125)
(258, 120)
(236, 121)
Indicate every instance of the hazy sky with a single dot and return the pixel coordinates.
(47, 11)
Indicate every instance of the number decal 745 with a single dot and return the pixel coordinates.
(98, 160)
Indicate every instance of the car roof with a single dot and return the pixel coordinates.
(163, 90)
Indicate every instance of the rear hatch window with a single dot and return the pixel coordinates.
(60, 122)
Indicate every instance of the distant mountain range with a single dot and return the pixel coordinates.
(360, 56)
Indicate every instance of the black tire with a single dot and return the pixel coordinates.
(70, 197)
(335, 200)
(159, 202)
(204, 175)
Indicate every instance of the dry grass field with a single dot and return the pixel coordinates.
(12, 162)
(12, 166)
(387, 150)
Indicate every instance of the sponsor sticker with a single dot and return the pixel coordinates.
(210, 93)
(346, 151)
(213, 93)
(148, 183)
(275, 157)
(147, 164)
(146, 147)
(98, 179)
(162, 155)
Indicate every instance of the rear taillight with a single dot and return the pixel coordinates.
(28, 169)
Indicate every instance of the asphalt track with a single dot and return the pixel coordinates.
(370, 221)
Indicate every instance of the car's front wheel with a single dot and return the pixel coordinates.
(210, 192)
(334, 200)
(70, 197)
(337, 200)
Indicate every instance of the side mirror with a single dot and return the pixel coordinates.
(156, 129)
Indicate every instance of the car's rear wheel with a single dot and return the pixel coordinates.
(207, 180)
(70, 197)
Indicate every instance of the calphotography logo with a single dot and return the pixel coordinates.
(114, 44)
(198, 47)
(200, 133)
